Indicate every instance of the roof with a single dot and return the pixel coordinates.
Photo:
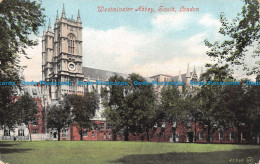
(160, 74)
(99, 74)
(96, 74)
(183, 77)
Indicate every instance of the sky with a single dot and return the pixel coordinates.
(141, 42)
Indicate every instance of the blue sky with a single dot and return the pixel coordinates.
(145, 43)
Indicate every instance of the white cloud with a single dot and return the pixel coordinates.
(34, 65)
(195, 44)
(170, 67)
(124, 50)
(209, 21)
(172, 22)
(118, 46)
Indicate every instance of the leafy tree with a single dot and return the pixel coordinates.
(207, 101)
(141, 105)
(83, 109)
(131, 107)
(242, 34)
(228, 106)
(115, 105)
(238, 107)
(26, 110)
(178, 107)
(18, 21)
(58, 117)
(171, 101)
(234, 103)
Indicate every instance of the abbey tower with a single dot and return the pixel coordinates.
(62, 57)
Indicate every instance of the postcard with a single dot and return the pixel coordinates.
(129, 81)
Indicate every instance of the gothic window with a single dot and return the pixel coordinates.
(34, 91)
(35, 131)
(20, 132)
(85, 133)
(108, 126)
(71, 43)
(221, 135)
(35, 123)
(65, 132)
(6, 132)
(201, 136)
(101, 126)
(232, 135)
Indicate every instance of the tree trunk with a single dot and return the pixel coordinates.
(147, 135)
(71, 129)
(195, 137)
(208, 138)
(30, 135)
(113, 134)
(58, 134)
(239, 134)
(174, 135)
(126, 134)
(81, 134)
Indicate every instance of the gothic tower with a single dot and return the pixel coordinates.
(62, 56)
(188, 76)
(194, 76)
(180, 87)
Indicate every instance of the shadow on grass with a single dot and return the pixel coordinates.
(7, 145)
(250, 156)
(8, 151)
(5, 150)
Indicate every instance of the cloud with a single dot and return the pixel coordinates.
(34, 65)
(126, 51)
(170, 67)
(195, 44)
(209, 21)
(171, 22)
(111, 48)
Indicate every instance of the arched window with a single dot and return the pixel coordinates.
(71, 43)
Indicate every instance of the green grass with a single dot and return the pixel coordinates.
(90, 152)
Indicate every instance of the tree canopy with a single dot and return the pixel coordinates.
(132, 107)
(19, 20)
(242, 36)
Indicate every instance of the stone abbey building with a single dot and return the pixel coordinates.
(62, 61)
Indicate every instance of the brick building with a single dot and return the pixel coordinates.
(37, 127)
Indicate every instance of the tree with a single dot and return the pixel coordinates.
(58, 117)
(18, 21)
(208, 103)
(131, 107)
(238, 106)
(115, 105)
(141, 105)
(242, 34)
(171, 100)
(178, 107)
(241, 41)
(26, 110)
(83, 109)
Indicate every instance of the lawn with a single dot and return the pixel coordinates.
(90, 152)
